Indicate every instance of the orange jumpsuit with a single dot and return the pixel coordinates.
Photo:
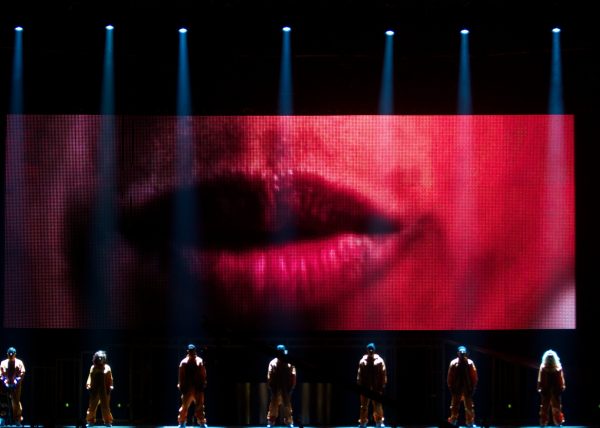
(462, 381)
(100, 384)
(281, 379)
(12, 371)
(551, 384)
(192, 382)
(371, 374)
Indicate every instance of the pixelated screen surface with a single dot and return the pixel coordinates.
(302, 222)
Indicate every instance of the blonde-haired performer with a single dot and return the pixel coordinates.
(550, 385)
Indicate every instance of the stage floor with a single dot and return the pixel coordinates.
(305, 426)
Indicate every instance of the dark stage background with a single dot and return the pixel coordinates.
(337, 55)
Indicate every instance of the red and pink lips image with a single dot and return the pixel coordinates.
(305, 222)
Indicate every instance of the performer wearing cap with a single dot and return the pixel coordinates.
(192, 382)
(372, 377)
(12, 371)
(281, 379)
(462, 381)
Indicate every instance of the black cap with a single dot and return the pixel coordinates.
(191, 347)
(371, 347)
(11, 351)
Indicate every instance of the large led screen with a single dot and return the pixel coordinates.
(290, 222)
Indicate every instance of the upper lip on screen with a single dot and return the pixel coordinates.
(240, 211)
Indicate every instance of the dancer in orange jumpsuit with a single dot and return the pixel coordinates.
(12, 371)
(550, 385)
(462, 381)
(371, 375)
(192, 383)
(100, 385)
(281, 379)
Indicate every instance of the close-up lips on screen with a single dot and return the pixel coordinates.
(277, 232)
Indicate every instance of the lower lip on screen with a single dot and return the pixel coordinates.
(307, 273)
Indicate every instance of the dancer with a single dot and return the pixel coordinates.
(550, 385)
(372, 376)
